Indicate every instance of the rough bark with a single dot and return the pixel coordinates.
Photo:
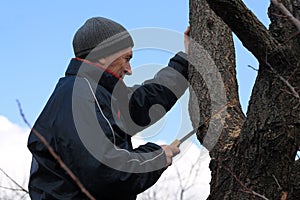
(209, 31)
(215, 38)
(253, 157)
(294, 192)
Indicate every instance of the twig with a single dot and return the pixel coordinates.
(286, 82)
(22, 197)
(182, 189)
(279, 186)
(277, 15)
(56, 157)
(256, 194)
(13, 189)
(197, 170)
(253, 68)
(292, 36)
(19, 186)
(247, 190)
(289, 16)
(286, 12)
(293, 90)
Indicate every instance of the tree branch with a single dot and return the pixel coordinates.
(13, 189)
(251, 32)
(287, 13)
(18, 185)
(253, 68)
(285, 81)
(55, 156)
(247, 190)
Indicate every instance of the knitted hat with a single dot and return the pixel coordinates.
(100, 37)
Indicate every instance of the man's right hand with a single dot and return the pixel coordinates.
(170, 151)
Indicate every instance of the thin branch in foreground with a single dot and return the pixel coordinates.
(22, 197)
(15, 182)
(13, 189)
(246, 189)
(56, 157)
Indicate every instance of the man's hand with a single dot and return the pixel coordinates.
(170, 151)
(187, 39)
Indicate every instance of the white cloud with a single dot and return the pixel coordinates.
(15, 158)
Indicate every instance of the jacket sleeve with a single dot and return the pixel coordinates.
(81, 136)
(104, 167)
(164, 90)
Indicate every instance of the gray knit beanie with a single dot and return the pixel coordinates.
(100, 37)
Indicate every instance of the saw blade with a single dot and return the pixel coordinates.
(188, 135)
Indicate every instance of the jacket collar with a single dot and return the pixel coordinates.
(83, 68)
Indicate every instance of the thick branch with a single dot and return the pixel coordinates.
(252, 33)
(213, 78)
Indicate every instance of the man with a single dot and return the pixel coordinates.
(91, 116)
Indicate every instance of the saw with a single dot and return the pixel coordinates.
(177, 142)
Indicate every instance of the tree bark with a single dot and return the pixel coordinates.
(253, 157)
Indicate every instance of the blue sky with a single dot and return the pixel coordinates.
(36, 38)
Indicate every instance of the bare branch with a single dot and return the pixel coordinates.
(24, 195)
(55, 156)
(279, 186)
(182, 189)
(257, 194)
(287, 13)
(251, 32)
(13, 189)
(18, 185)
(292, 36)
(247, 190)
(253, 68)
(197, 170)
(285, 81)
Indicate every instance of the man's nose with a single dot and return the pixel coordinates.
(128, 69)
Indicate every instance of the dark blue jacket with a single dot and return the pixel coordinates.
(89, 120)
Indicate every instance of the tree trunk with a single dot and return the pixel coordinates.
(252, 157)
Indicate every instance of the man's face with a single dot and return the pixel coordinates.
(119, 63)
